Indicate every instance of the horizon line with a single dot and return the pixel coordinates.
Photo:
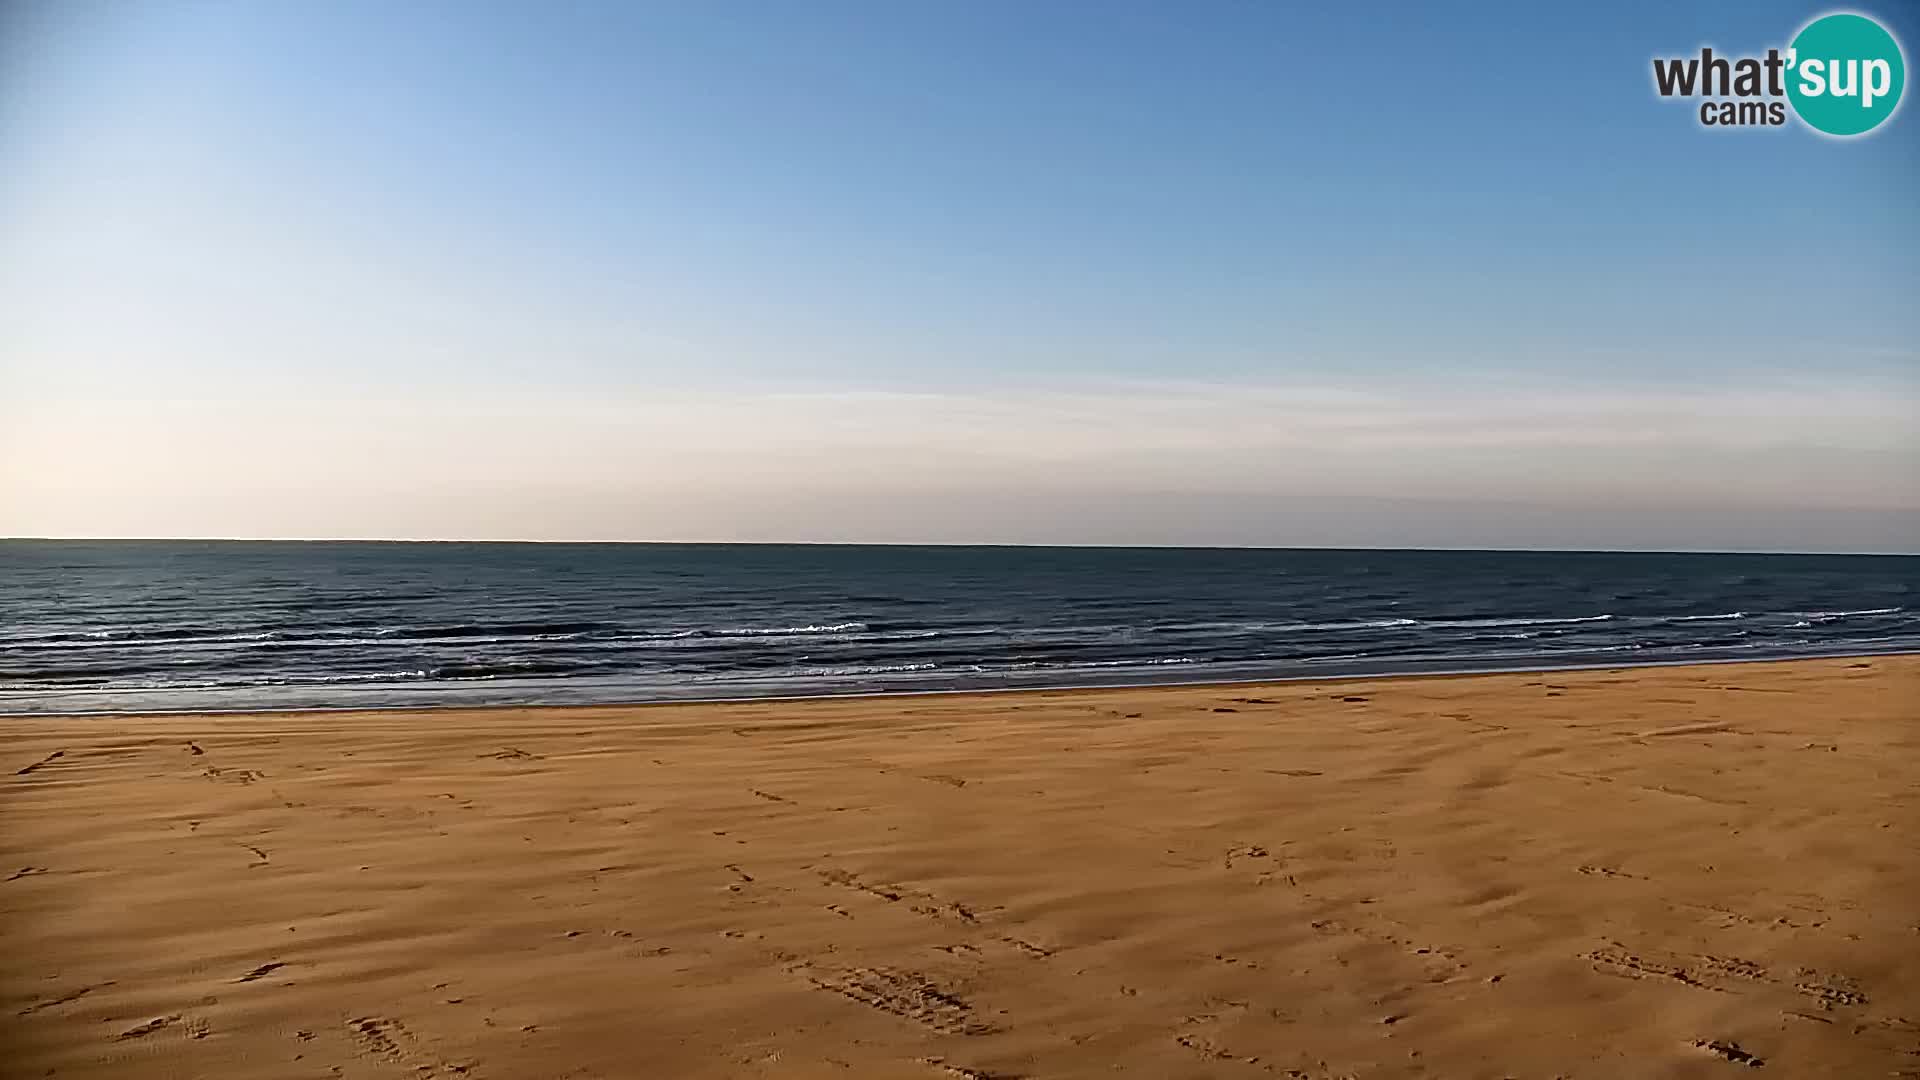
(935, 544)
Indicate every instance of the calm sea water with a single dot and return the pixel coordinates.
(229, 625)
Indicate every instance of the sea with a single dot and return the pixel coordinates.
(145, 626)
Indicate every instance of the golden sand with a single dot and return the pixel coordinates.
(1678, 872)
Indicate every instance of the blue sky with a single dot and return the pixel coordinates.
(757, 227)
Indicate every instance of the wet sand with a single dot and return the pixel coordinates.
(1674, 872)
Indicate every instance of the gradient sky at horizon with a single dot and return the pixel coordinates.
(1126, 272)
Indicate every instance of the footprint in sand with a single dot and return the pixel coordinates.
(143, 1030)
(71, 996)
(1729, 1051)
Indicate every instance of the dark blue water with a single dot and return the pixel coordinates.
(226, 625)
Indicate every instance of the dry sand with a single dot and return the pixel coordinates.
(1613, 874)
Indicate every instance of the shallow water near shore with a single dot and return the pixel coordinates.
(140, 626)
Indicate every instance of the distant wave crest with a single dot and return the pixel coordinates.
(1497, 622)
(792, 631)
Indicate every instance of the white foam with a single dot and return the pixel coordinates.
(783, 631)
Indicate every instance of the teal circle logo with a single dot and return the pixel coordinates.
(1845, 74)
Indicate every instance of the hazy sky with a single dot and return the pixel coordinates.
(1108, 272)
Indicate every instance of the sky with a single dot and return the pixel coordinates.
(1115, 272)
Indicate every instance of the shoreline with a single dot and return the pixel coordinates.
(946, 692)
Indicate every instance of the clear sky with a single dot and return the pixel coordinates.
(1108, 272)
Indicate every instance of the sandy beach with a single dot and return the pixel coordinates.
(1664, 872)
